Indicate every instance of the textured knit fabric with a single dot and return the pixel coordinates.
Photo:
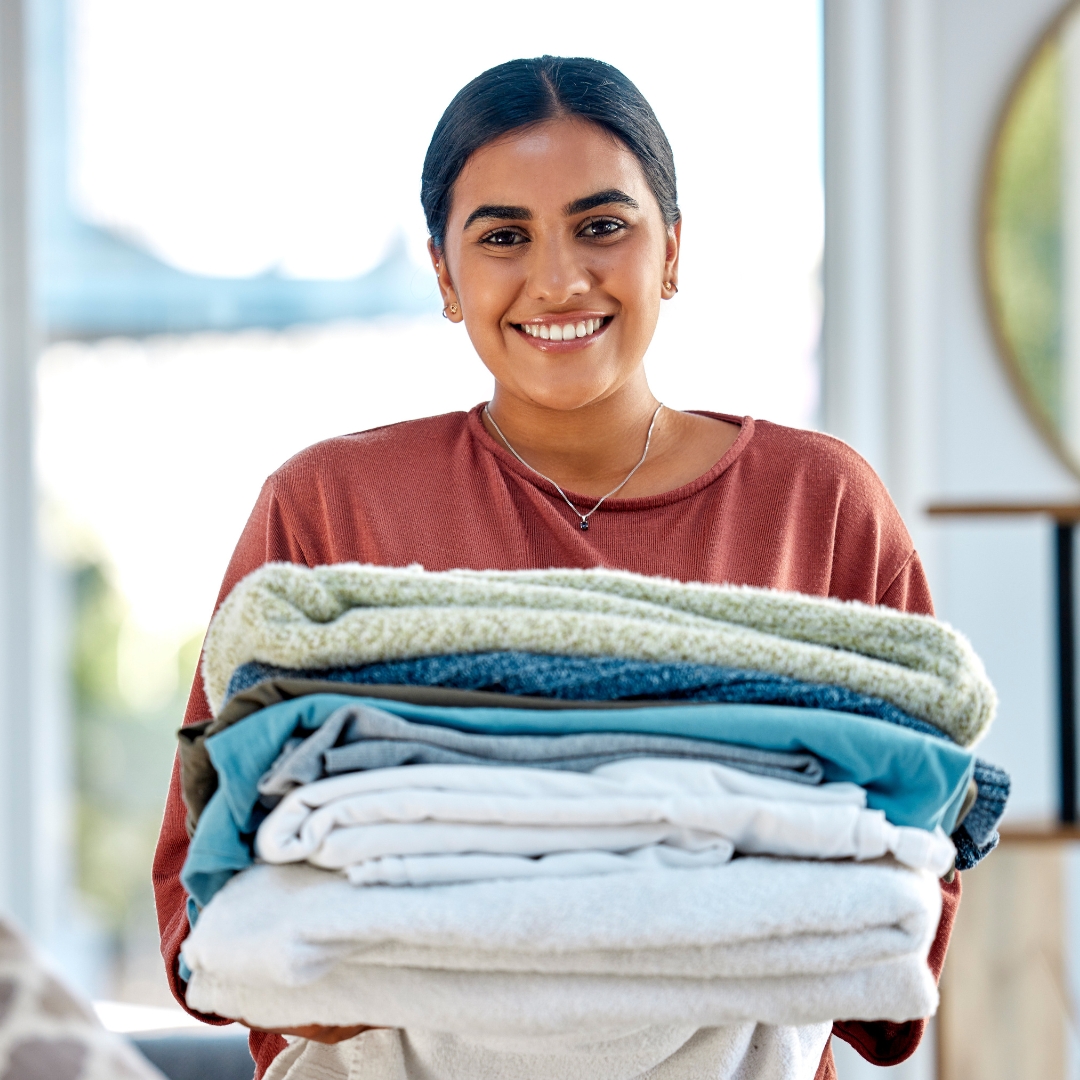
(350, 613)
(581, 678)
(916, 779)
(783, 508)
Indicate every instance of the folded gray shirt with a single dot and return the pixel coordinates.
(359, 737)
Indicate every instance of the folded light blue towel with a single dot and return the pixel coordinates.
(915, 779)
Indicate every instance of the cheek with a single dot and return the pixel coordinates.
(634, 274)
(487, 286)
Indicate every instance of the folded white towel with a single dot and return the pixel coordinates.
(346, 614)
(448, 869)
(347, 820)
(775, 941)
(736, 1052)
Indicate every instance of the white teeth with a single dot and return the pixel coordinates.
(562, 331)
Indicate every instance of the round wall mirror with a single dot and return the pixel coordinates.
(1031, 235)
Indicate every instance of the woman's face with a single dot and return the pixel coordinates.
(558, 257)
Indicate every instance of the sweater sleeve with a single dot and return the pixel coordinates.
(266, 538)
(883, 1042)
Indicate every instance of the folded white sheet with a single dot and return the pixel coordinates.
(412, 810)
(736, 1052)
(774, 941)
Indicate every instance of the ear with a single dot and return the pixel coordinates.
(446, 285)
(671, 261)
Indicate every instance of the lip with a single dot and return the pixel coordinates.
(564, 319)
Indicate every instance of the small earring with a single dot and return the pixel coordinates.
(453, 309)
(671, 286)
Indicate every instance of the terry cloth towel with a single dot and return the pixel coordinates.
(358, 738)
(915, 779)
(47, 1033)
(348, 614)
(418, 810)
(774, 941)
(735, 1052)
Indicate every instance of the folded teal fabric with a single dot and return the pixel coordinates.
(915, 779)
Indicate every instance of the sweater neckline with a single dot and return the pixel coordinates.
(641, 502)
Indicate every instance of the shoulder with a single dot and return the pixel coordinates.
(406, 447)
(829, 499)
(817, 464)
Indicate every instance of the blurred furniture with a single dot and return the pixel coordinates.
(1006, 1005)
(1065, 517)
(194, 1056)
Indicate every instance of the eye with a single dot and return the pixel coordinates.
(599, 228)
(504, 238)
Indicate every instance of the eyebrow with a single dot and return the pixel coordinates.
(601, 198)
(502, 213)
(578, 206)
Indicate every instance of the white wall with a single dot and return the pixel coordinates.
(912, 376)
(992, 580)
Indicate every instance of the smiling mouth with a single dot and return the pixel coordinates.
(565, 331)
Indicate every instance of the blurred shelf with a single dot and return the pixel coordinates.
(1063, 513)
(1040, 832)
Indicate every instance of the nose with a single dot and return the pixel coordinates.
(557, 271)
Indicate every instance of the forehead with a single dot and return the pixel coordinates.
(547, 166)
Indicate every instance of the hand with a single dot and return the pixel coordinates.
(318, 1033)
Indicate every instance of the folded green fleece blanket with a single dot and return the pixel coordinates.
(347, 614)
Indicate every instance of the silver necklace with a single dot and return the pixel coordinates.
(584, 517)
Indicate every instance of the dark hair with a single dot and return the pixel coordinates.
(524, 92)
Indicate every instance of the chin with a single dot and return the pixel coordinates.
(566, 398)
(562, 388)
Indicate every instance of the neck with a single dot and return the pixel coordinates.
(587, 450)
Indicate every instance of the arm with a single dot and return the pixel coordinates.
(883, 1042)
(265, 538)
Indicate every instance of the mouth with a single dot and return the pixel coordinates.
(564, 332)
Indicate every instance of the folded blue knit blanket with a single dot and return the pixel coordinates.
(577, 678)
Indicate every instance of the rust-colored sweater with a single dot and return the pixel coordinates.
(784, 508)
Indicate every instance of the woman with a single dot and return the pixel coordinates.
(549, 190)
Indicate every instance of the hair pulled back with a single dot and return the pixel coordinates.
(525, 92)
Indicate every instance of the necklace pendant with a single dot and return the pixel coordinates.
(584, 524)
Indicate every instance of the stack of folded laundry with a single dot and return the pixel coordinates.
(575, 822)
